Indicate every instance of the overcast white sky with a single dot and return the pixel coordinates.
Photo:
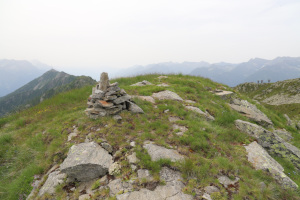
(78, 35)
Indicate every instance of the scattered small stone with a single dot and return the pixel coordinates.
(71, 135)
(166, 111)
(132, 143)
(167, 95)
(211, 189)
(143, 83)
(174, 119)
(114, 169)
(225, 181)
(107, 147)
(163, 85)
(132, 159)
(117, 118)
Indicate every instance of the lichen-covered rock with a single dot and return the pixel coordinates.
(157, 152)
(86, 161)
(198, 110)
(271, 142)
(211, 189)
(167, 95)
(284, 134)
(262, 160)
(249, 110)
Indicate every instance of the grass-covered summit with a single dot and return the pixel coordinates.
(33, 141)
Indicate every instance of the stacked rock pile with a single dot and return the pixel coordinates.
(108, 99)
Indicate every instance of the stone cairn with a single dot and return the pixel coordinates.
(108, 99)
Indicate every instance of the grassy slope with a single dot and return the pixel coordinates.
(35, 139)
(266, 90)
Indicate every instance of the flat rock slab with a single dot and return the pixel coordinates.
(198, 110)
(167, 95)
(158, 152)
(189, 101)
(260, 159)
(163, 85)
(143, 83)
(86, 161)
(174, 119)
(54, 179)
(249, 110)
(224, 94)
(171, 191)
(271, 141)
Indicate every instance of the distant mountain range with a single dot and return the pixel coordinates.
(16, 73)
(43, 87)
(278, 69)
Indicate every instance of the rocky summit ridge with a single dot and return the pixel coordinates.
(195, 139)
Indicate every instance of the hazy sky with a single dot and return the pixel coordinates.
(75, 34)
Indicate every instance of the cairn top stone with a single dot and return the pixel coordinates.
(104, 81)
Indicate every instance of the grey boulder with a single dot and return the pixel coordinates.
(54, 179)
(86, 161)
(249, 110)
(157, 152)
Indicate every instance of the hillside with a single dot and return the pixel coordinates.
(283, 96)
(43, 87)
(16, 73)
(188, 145)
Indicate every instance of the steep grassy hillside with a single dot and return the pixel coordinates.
(47, 85)
(33, 141)
(283, 96)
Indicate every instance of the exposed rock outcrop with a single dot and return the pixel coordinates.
(262, 160)
(109, 99)
(86, 161)
(157, 152)
(271, 142)
(250, 111)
